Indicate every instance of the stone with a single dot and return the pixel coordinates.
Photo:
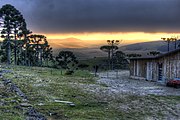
(25, 105)
(40, 104)
(18, 107)
(72, 105)
(14, 101)
(33, 114)
(5, 71)
(6, 82)
(14, 88)
(66, 102)
(51, 113)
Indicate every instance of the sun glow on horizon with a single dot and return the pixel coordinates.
(79, 40)
(129, 36)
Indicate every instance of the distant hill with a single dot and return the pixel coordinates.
(84, 53)
(145, 47)
(141, 48)
(148, 46)
(67, 43)
(82, 49)
(74, 43)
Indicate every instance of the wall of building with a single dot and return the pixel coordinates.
(138, 68)
(170, 67)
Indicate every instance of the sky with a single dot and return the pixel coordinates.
(92, 20)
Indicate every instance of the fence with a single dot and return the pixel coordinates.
(113, 74)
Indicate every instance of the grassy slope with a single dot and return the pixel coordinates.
(44, 85)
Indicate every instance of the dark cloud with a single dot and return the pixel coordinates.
(65, 16)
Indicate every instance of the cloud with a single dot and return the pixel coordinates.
(76, 16)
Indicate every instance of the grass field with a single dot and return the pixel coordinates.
(45, 87)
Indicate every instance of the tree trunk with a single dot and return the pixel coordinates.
(26, 48)
(112, 64)
(41, 53)
(168, 45)
(8, 51)
(109, 60)
(15, 49)
(175, 44)
(8, 46)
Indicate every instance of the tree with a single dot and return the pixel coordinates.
(153, 53)
(67, 60)
(6, 15)
(29, 49)
(133, 55)
(12, 22)
(83, 66)
(36, 45)
(174, 39)
(24, 36)
(108, 49)
(47, 52)
(17, 24)
(3, 56)
(120, 60)
(168, 40)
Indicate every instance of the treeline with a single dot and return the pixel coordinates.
(116, 59)
(21, 47)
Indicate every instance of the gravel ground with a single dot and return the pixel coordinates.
(119, 82)
(135, 96)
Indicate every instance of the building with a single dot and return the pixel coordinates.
(158, 68)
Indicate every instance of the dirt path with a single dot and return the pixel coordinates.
(147, 100)
(119, 82)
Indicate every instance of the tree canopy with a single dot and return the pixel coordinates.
(19, 44)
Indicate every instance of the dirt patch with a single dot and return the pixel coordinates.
(136, 99)
(120, 82)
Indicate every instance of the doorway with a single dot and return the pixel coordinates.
(160, 66)
(149, 75)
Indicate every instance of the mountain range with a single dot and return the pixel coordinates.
(86, 49)
(74, 43)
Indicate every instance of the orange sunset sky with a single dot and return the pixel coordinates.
(100, 38)
(89, 23)
(128, 37)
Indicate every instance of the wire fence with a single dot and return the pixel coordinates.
(113, 74)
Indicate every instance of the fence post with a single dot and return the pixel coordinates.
(116, 74)
(107, 74)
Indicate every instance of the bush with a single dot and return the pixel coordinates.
(69, 72)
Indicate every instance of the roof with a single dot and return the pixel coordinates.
(156, 57)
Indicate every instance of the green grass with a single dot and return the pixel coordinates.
(8, 101)
(45, 85)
